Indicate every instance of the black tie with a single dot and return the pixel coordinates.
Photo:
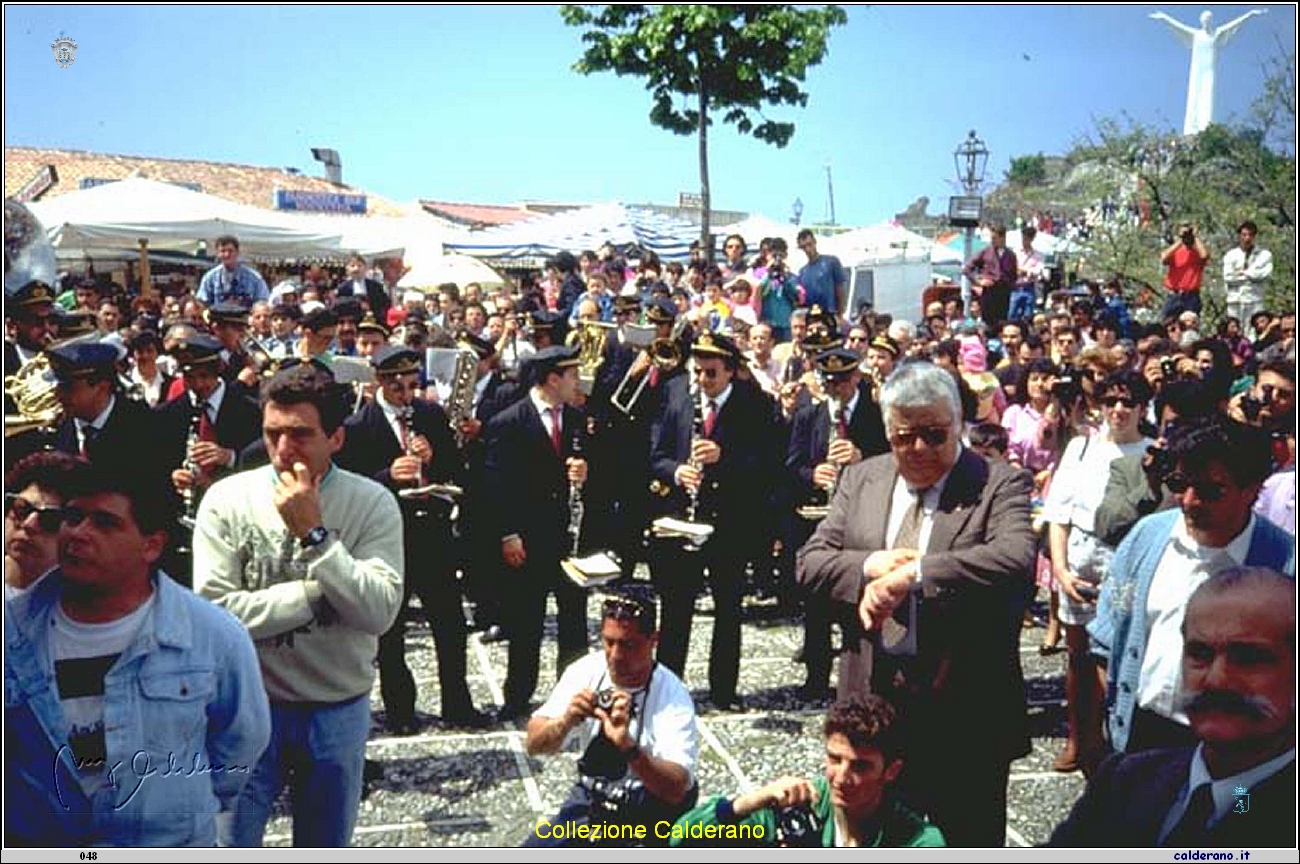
(1191, 829)
(88, 434)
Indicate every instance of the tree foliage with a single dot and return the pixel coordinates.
(1027, 170)
(701, 61)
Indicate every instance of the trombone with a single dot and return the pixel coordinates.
(665, 354)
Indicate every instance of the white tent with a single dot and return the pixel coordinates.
(169, 217)
(415, 236)
(885, 240)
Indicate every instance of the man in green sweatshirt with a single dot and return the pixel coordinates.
(849, 805)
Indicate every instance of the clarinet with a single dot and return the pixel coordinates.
(697, 432)
(836, 419)
(577, 509)
(405, 416)
(190, 494)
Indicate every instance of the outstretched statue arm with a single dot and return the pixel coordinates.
(1184, 33)
(1227, 31)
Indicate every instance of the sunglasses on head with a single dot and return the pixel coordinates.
(1127, 401)
(1206, 491)
(623, 608)
(933, 436)
(48, 519)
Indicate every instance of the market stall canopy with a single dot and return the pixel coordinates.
(417, 235)
(885, 240)
(169, 217)
(531, 241)
(427, 274)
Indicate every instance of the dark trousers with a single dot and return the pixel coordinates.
(525, 615)
(1181, 301)
(678, 577)
(816, 613)
(430, 576)
(1151, 731)
(994, 304)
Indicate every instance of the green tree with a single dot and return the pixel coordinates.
(1027, 170)
(732, 60)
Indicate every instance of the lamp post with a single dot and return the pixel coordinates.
(971, 158)
(797, 209)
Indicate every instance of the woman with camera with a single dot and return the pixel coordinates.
(1080, 558)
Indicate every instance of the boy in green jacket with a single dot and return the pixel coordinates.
(850, 804)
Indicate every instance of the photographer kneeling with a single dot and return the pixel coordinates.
(635, 719)
(850, 805)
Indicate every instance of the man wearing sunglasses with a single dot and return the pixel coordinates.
(35, 490)
(403, 443)
(1217, 470)
(928, 550)
(134, 709)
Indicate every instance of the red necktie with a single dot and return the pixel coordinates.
(206, 432)
(842, 427)
(710, 418)
(555, 431)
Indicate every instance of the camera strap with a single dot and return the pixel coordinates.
(638, 715)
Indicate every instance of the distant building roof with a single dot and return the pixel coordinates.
(247, 184)
(477, 215)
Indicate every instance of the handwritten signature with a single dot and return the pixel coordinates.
(142, 768)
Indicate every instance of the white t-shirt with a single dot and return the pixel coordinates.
(669, 732)
(82, 655)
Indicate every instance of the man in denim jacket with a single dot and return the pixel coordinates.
(134, 710)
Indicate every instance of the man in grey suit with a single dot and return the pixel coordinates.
(928, 550)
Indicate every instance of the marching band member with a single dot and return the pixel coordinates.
(728, 463)
(530, 461)
(401, 441)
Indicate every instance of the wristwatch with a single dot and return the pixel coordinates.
(314, 537)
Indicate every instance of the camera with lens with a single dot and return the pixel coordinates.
(605, 699)
(1169, 368)
(1066, 387)
(798, 827)
(612, 797)
(1161, 464)
(1251, 404)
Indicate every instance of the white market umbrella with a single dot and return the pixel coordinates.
(429, 273)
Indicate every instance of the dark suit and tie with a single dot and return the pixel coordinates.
(1131, 798)
(374, 439)
(961, 686)
(810, 436)
(525, 481)
(733, 498)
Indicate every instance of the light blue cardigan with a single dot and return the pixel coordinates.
(1119, 632)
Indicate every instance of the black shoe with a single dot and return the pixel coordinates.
(730, 705)
(510, 712)
(467, 718)
(373, 772)
(491, 634)
(810, 695)
(799, 656)
(403, 726)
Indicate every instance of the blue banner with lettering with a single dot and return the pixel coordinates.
(322, 202)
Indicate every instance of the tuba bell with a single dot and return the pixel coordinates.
(590, 337)
(34, 390)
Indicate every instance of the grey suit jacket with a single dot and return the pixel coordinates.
(1128, 498)
(976, 572)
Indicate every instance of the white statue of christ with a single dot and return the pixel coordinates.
(1205, 44)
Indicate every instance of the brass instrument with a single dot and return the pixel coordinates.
(263, 359)
(590, 337)
(814, 512)
(665, 354)
(421, 490)
(692, 532)
(35, 391)
(456, 368)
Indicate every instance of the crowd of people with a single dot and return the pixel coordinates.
(213, 536)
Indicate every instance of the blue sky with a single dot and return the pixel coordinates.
(475, 103)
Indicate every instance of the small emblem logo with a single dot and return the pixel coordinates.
(65, 51)
(1243, 800)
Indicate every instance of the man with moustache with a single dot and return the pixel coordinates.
(1218, 469)
(1233, 785)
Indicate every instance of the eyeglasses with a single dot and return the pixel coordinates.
(1206, 491)
(48, 519)
(707, 373)
(101, 520)
(1127, 401)
(853, 338)
(933, 436)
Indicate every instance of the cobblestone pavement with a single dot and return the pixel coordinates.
(449, 787)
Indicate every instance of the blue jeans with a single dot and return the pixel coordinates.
(1177, 303)
(1022, 303)
(320, 749)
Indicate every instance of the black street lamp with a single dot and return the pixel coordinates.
(970, 158)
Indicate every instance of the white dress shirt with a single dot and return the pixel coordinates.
(546, 411)
(901, 501)
(1184, 565)
(98, 423)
